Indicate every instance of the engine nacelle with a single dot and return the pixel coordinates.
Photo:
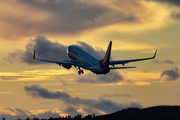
(67, 66)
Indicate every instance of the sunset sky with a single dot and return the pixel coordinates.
(136, 28)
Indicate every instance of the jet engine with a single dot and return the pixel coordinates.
(67, 66)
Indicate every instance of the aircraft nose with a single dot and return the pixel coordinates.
(69, 48)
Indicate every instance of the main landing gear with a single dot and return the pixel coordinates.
(80, 71)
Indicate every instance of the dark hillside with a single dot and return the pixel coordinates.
(152, 113)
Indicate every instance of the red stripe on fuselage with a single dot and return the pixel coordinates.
(72, 52)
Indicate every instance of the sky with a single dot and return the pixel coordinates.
(136, 28)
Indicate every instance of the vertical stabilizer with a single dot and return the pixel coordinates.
(108, 54)
(105, 61)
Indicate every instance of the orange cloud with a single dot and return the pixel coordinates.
(34, 75)
(18, 19)
(23, 19)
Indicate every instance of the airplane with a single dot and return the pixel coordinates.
(82, 59)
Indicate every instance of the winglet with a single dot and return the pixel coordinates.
(154, 54)
(34, 55)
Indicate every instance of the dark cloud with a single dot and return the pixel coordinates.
(93, 51)
(163, 62)
(48, 114)
(172, 74)
(91, 111)
(111, 77)
(13, 57)
(71, 111)
(22, 112)
(19, 113)
(100, 104)
(62, 17)
(45, 49)
(171, 2)
(175, 15)
(115, 95)
(37, 91)
(73, 16)
(10, 77)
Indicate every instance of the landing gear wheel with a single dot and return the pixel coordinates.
(79, 72)
(82, 71)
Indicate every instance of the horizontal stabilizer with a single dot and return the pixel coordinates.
(92, 68)
(120, 67)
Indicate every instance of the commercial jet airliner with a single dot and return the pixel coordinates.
(82, 59)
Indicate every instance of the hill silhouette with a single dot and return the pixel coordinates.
(151, 113)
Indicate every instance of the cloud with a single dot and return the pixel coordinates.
(91, 111)
(16, 113)
(111, 77)
(48, 114)
(115, 95)
(12, 77)
(45, 49)
(106, 106)
(71, 111)
(163, 61)
(6, 92)
(175, 15)
(76, 15)
(57, 17)
(172, 74)
(35, 75)
(36, 91)
(97, 52)
(13, 57)
(171, 2)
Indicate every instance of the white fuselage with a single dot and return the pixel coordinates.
(85, 60)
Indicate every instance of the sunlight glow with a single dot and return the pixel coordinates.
(140, 75)
(33, 75)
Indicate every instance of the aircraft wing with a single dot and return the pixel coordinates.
(57, 62)
(132, 60)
